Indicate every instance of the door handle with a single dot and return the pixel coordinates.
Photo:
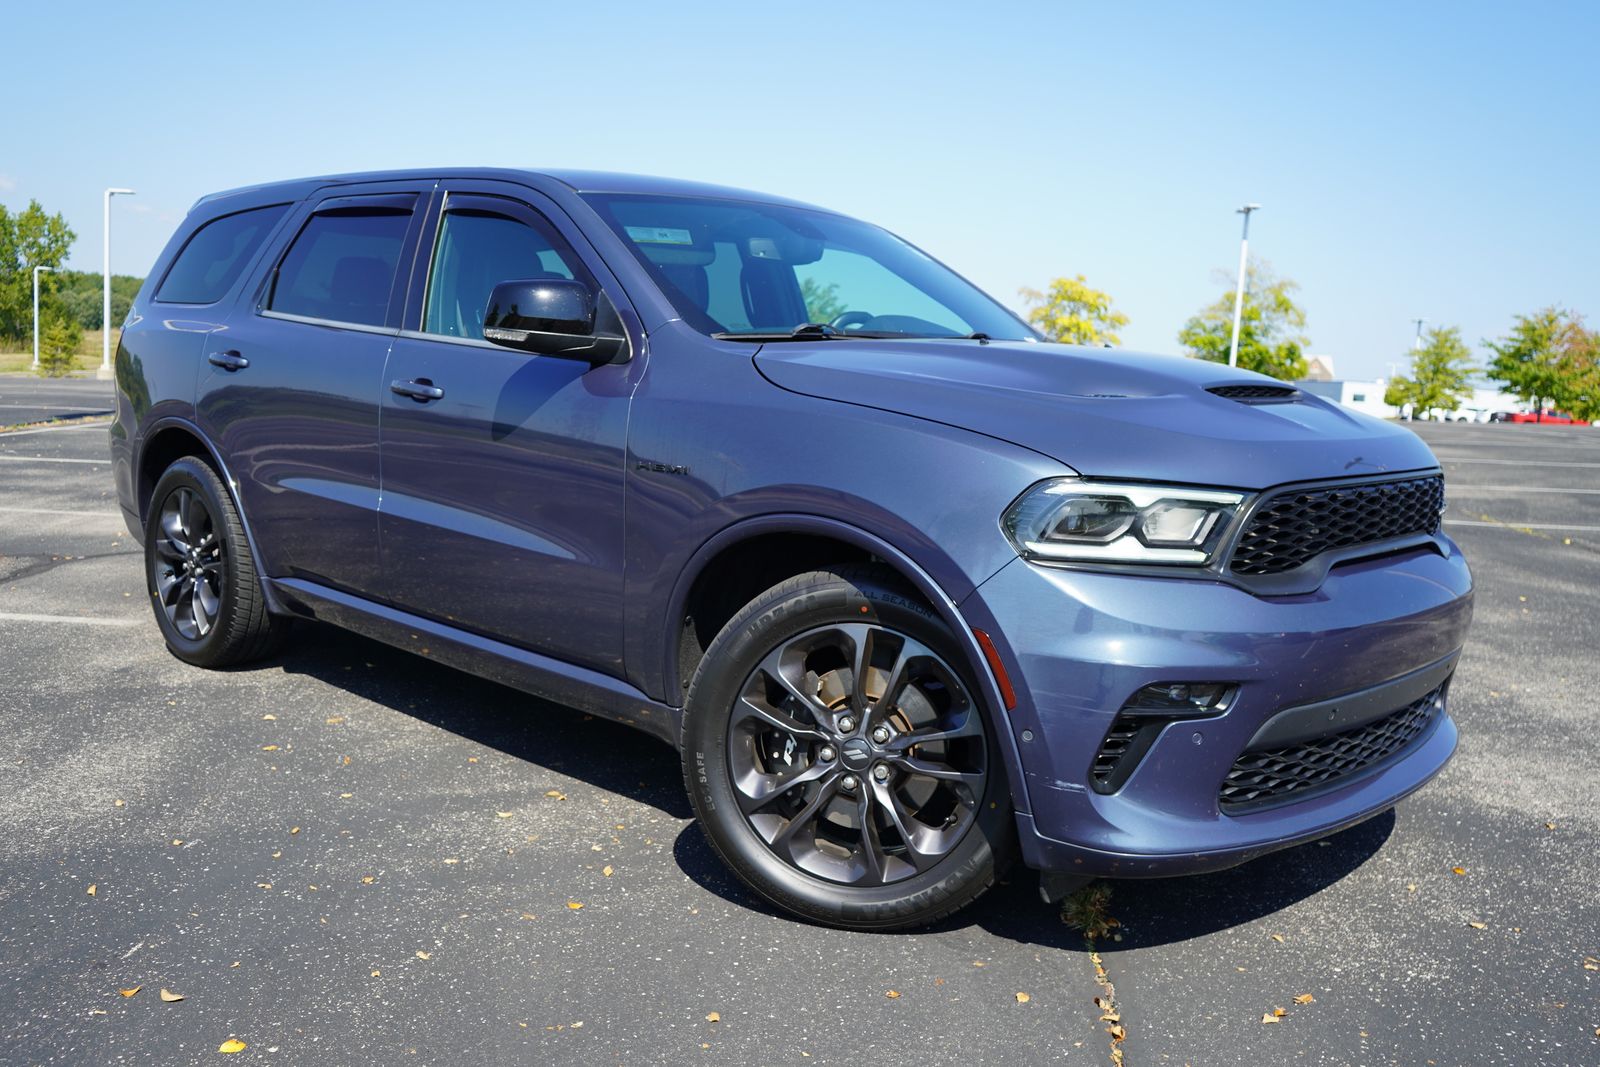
(418, 389)
(228, 361)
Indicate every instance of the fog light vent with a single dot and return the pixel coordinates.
(1141, 721)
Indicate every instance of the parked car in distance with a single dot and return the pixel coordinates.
(910, 592)
(1554, 418)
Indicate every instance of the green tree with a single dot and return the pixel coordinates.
(1439, 374)
(1074, 313)
(82, 296)
(1270, 340)
(28, 238)
(59, 337)
(822, 301)
(1528, 359)
(1579, 371)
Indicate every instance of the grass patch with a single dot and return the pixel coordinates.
(88, 355)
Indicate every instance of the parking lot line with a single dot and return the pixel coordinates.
(1524, 525)
(1458, 488)
(94, 424)
(1523, 462)
(59, 511)
(82, 620)
(62, 459)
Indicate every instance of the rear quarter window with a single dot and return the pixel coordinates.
(216, 254)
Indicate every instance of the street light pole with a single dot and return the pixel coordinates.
(1238, 296)
(105, 277)
(36, 271)
(1417, 344)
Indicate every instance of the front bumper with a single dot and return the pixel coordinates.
(1077, 644)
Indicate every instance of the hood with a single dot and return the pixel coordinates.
(1105, 413)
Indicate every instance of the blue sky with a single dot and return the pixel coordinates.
(1435, 160)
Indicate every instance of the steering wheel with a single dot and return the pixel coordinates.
(851, 318)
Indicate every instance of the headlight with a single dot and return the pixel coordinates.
(1070, 519)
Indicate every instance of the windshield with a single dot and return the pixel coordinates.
(733, 268)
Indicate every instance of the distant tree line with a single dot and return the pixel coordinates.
(70, 301)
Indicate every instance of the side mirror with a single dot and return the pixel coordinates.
(557, 317)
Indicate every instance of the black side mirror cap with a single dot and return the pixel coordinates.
(555, 317)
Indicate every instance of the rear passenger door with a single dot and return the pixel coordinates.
(294, 378)
(502, 495)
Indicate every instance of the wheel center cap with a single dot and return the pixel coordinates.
(856, 754)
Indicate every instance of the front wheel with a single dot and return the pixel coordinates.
(202, 579)
(838, 756)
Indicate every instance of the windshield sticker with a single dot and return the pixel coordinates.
(660, 235)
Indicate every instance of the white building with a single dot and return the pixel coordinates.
(1363, 396)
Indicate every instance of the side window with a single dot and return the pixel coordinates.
(215, 255)
(341, 266)
(476, 250)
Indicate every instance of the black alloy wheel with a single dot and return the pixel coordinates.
(839, 756)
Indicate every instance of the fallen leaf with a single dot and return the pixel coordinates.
(1279, 938)
(177, 841)
(1304, 998)
(502, 815)
(171, 997)
(1111, 1017)
(91, 889)
(130, 992)
(555, 794)
(376, 973)
(1117, 1032)
(529, 915)
(277, 854)
(979, 963)
(97, 1011)
(1591, 964)
(346, 796)
(578, 1025)
(471, 759)
(453, 859)
(424, 955)
(606, 871)
(714, 1017)
(1102, 1003)
(334, 720)
(893, 994)
(367, 879)
(574, 905)
(1459, 870)
(233, 1044)
(1268, 1017)
(1023, 998)
(345, 761)
(269, 748)
(263, 885)
(116, 803)
(294, 829)
(269, 717)
(1279, 1012)
(1478, 925)
(1549, 826)
(1412, 888)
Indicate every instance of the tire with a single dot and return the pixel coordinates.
(765, 763)
(200, 574)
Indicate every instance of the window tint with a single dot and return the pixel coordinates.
(341, 267)
(476, 251)
(216, 254)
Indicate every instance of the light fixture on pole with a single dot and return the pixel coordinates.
(1417, 344)
(105, 317)
(36, 271)
(1238, 296)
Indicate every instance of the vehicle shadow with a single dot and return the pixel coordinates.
(600, 752)
(1150, 912)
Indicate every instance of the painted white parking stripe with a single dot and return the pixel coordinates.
(1463, 488)
(55, 407)
(58, 511)
(1524, 525)
(95, 424)
(1522, 462)
(94, 462)
(22, 616)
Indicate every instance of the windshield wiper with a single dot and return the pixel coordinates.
(809, 331)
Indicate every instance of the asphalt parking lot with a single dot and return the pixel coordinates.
(350, 854)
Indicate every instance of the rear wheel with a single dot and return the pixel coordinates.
(201, 576)
(839, 758)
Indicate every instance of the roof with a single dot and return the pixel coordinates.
(582, 181)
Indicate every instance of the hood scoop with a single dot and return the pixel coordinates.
(1256, 394)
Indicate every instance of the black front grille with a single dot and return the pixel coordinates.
(1277, 775)
(1254, 394)
(1296, 526)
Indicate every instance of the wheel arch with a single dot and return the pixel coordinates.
(169, 440)
(816, 532)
